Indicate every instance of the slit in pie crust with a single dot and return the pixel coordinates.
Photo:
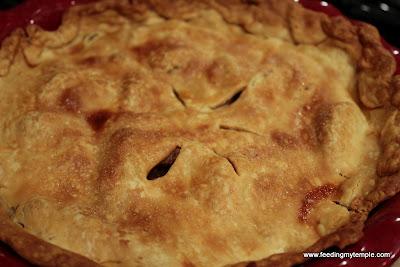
(193, 133)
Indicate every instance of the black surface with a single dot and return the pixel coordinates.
(385, 15)
(5, 4)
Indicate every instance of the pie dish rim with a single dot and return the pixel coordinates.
(52, 255)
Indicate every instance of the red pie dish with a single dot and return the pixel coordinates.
(382, 229)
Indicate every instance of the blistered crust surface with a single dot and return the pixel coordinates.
(193, 133)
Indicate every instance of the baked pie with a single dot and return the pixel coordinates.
(194, 133)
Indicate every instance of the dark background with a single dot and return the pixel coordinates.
(383, 14)
(8, 3)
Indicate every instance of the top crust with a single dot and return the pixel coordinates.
(178, 95)
(282, 19)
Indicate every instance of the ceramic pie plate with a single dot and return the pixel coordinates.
(382, 230)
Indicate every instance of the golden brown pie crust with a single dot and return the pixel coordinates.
(375, 91)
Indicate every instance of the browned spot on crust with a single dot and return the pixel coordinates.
(187, 263)
(90, 61)
(66, 192)
(221, 73)
(309, 21)
(283, 139)
(308, 116)
(98, 119)
(313, 197)
(124, 243)
(154, 220)
(308, 137)
(193, 66)
(109, 172)
(214, 72)
(263, 186)
(70, 100)
(321, 120)
(215, 242)
(203, 127)
(77, 48)
(153, 51)
(146, 220)
(74, 174)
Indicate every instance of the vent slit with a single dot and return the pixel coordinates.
(233, 165)
(251, 2)
(344, 206)
(237, 129)
(229, 160)
(178, 97)
(231, 100)
(162, 168)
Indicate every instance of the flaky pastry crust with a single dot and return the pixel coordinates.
(94, 109)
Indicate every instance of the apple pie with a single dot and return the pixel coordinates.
(194, 133)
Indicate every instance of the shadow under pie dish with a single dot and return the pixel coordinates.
(201, 133)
